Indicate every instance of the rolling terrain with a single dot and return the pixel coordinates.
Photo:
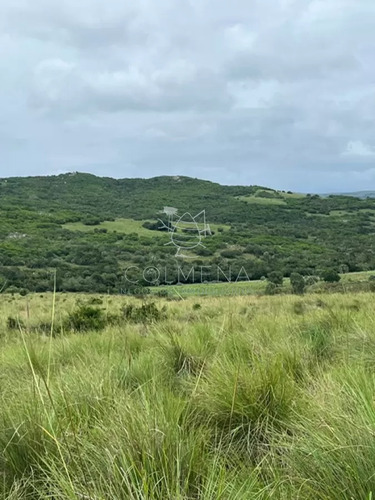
(182, 377)
(83, 233)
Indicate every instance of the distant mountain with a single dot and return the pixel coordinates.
(362, 194)
(355, 194)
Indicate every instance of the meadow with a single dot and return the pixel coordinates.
(359, 280)
(248, 397)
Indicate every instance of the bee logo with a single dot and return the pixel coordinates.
(186, 232)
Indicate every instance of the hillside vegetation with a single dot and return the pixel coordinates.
(105, 397)
(88, 231)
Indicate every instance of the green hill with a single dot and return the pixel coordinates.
(91, 230)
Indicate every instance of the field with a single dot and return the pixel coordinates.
(128, 226)
(124, 226)
(248, 397)
(253, 287)
(260, 197)
(262, 201)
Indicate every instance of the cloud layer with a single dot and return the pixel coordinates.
(279, 93)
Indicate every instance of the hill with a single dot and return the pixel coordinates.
(103, 234)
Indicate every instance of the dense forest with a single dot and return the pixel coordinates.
(83, 233)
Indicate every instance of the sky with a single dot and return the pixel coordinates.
(279, 93)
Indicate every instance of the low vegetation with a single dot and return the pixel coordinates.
(83, 233)
(234, 398)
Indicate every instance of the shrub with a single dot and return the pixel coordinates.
(275, 277)
(145, 313)
(331, 276)
(91, 221)
(311, 280)
(272, 289)
(298, 283)
(230, 253)
(204, 252)
(86, 318)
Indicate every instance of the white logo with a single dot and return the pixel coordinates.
(186, 232)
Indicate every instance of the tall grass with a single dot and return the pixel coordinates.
(242, 398)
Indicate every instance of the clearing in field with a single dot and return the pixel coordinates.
(128, 226)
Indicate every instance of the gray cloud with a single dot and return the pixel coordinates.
(279, 93)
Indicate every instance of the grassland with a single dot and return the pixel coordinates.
(253, 287)
(259, 198)
(217, 398)
(128, 226)
(262, 201)
(124, 226)
(213, 289)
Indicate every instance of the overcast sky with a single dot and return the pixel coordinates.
(272, 92)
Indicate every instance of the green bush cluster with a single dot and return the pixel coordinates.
(146, 313)
(85, 318)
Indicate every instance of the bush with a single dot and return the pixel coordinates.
(298, 283)
(311, 280)
(331, 276)
(145, 313)
(271, 289)
(275, 277)
(204, 252)
(230, 253)
(156, 226)
(86, 318)
(91, 221)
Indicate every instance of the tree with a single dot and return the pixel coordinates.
(276, 278)
(298, 283)
(331, 276)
